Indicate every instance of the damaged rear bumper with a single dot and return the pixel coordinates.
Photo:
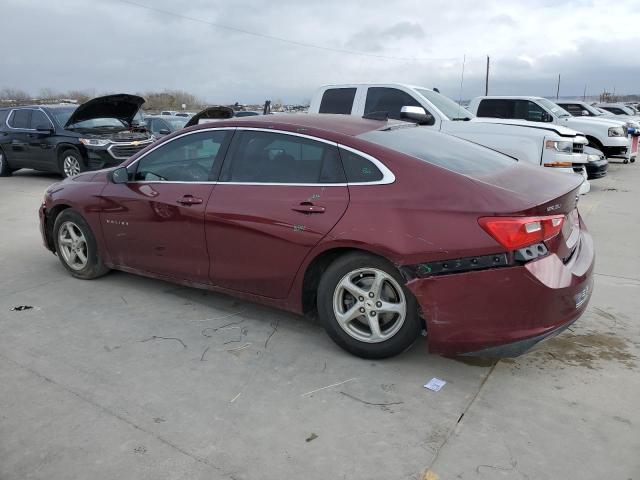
(505, 311)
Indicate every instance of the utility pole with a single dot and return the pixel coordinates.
(558, 90)
(486, 81)
(584, 94)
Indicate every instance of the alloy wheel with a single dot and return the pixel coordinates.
(369, 305)
(70, 166)
(73, 246)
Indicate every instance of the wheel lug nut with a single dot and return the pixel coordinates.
(361, 299)
(378, 304)
(370, 294)
(361, 309)
(373, 314)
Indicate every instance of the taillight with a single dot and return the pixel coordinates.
(517, 232)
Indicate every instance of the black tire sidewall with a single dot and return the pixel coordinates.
(397, 344)
(76, 154)
(5, 169)
(94, 268)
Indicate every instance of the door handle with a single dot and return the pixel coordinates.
(189, 200)
(308, 208)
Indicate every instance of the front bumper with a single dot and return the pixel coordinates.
(42, 217)
(505, 311)
(597, 169)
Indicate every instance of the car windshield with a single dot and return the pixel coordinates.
(627, 110)
(448, 107)
(454, 154)
(554, 108)
(62, 114)
(99, 123)
(177, 123)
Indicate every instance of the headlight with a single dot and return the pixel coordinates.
(617, 132)
(593, 158)
(95, 142)
(564, 147)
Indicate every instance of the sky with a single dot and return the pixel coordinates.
(295, 46)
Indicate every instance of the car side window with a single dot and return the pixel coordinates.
(337, 100)
(39, 119)
(269, 157)
(190, 158)
(157, 125)
(20, 118)
(495, 108)
(390, 100)
(528, 110)
(358, 169)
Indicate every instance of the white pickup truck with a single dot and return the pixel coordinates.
(605, 134)
(544, 144)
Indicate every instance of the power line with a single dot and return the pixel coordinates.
(280, 39)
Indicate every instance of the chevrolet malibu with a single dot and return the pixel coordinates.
(384, 230)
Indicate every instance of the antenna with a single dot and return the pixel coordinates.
(464, 59)
(486, 80)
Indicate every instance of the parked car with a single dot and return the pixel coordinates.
(168, 112)
(184, 114)
(597, 164)
(605, 134)
(617, 109)
(583, 109)
(69, 139)
(551, 146)
(161, 125)
(210, 114)
(382, 228)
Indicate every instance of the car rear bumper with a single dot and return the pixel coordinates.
(505, 311)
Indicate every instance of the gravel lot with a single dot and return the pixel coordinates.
(127, 377)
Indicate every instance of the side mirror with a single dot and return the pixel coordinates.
(585, 113)
(547, 117)
(164, 131)
(120, 175)
(46, 129)
(416, 114)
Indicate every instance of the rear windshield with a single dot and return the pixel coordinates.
(443, 150)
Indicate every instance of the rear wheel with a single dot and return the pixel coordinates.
(76, 246)
(5, 170)
(71, 163)
(365, 308)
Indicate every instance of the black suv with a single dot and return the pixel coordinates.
(69, 139)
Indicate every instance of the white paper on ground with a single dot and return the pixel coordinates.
(435, 384)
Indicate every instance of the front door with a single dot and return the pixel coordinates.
(155, 222)
(278, 196)
(42, 144)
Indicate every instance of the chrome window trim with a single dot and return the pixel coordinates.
(6, 121)
(387, 175)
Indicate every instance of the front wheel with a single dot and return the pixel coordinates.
(365, 308)
(71, 163)
(76, 246)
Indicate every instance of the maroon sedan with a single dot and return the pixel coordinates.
(384, 229)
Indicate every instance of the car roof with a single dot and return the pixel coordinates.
(298, 122)
(510, 97)
(53, 107)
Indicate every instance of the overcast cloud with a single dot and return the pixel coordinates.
(109, 46)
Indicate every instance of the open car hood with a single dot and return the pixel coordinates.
(121, 106)
(210, 113)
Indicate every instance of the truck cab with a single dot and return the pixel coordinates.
(548, 145)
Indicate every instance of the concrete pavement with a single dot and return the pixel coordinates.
(127, 377)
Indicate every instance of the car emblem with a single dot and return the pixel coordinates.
(136, 143)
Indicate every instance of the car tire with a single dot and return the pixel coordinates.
(76, 246)
(365, 307)
(71, 163)
(5, 169)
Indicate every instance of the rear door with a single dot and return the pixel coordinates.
(155, 222)
(19, 123)
(278, 195)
